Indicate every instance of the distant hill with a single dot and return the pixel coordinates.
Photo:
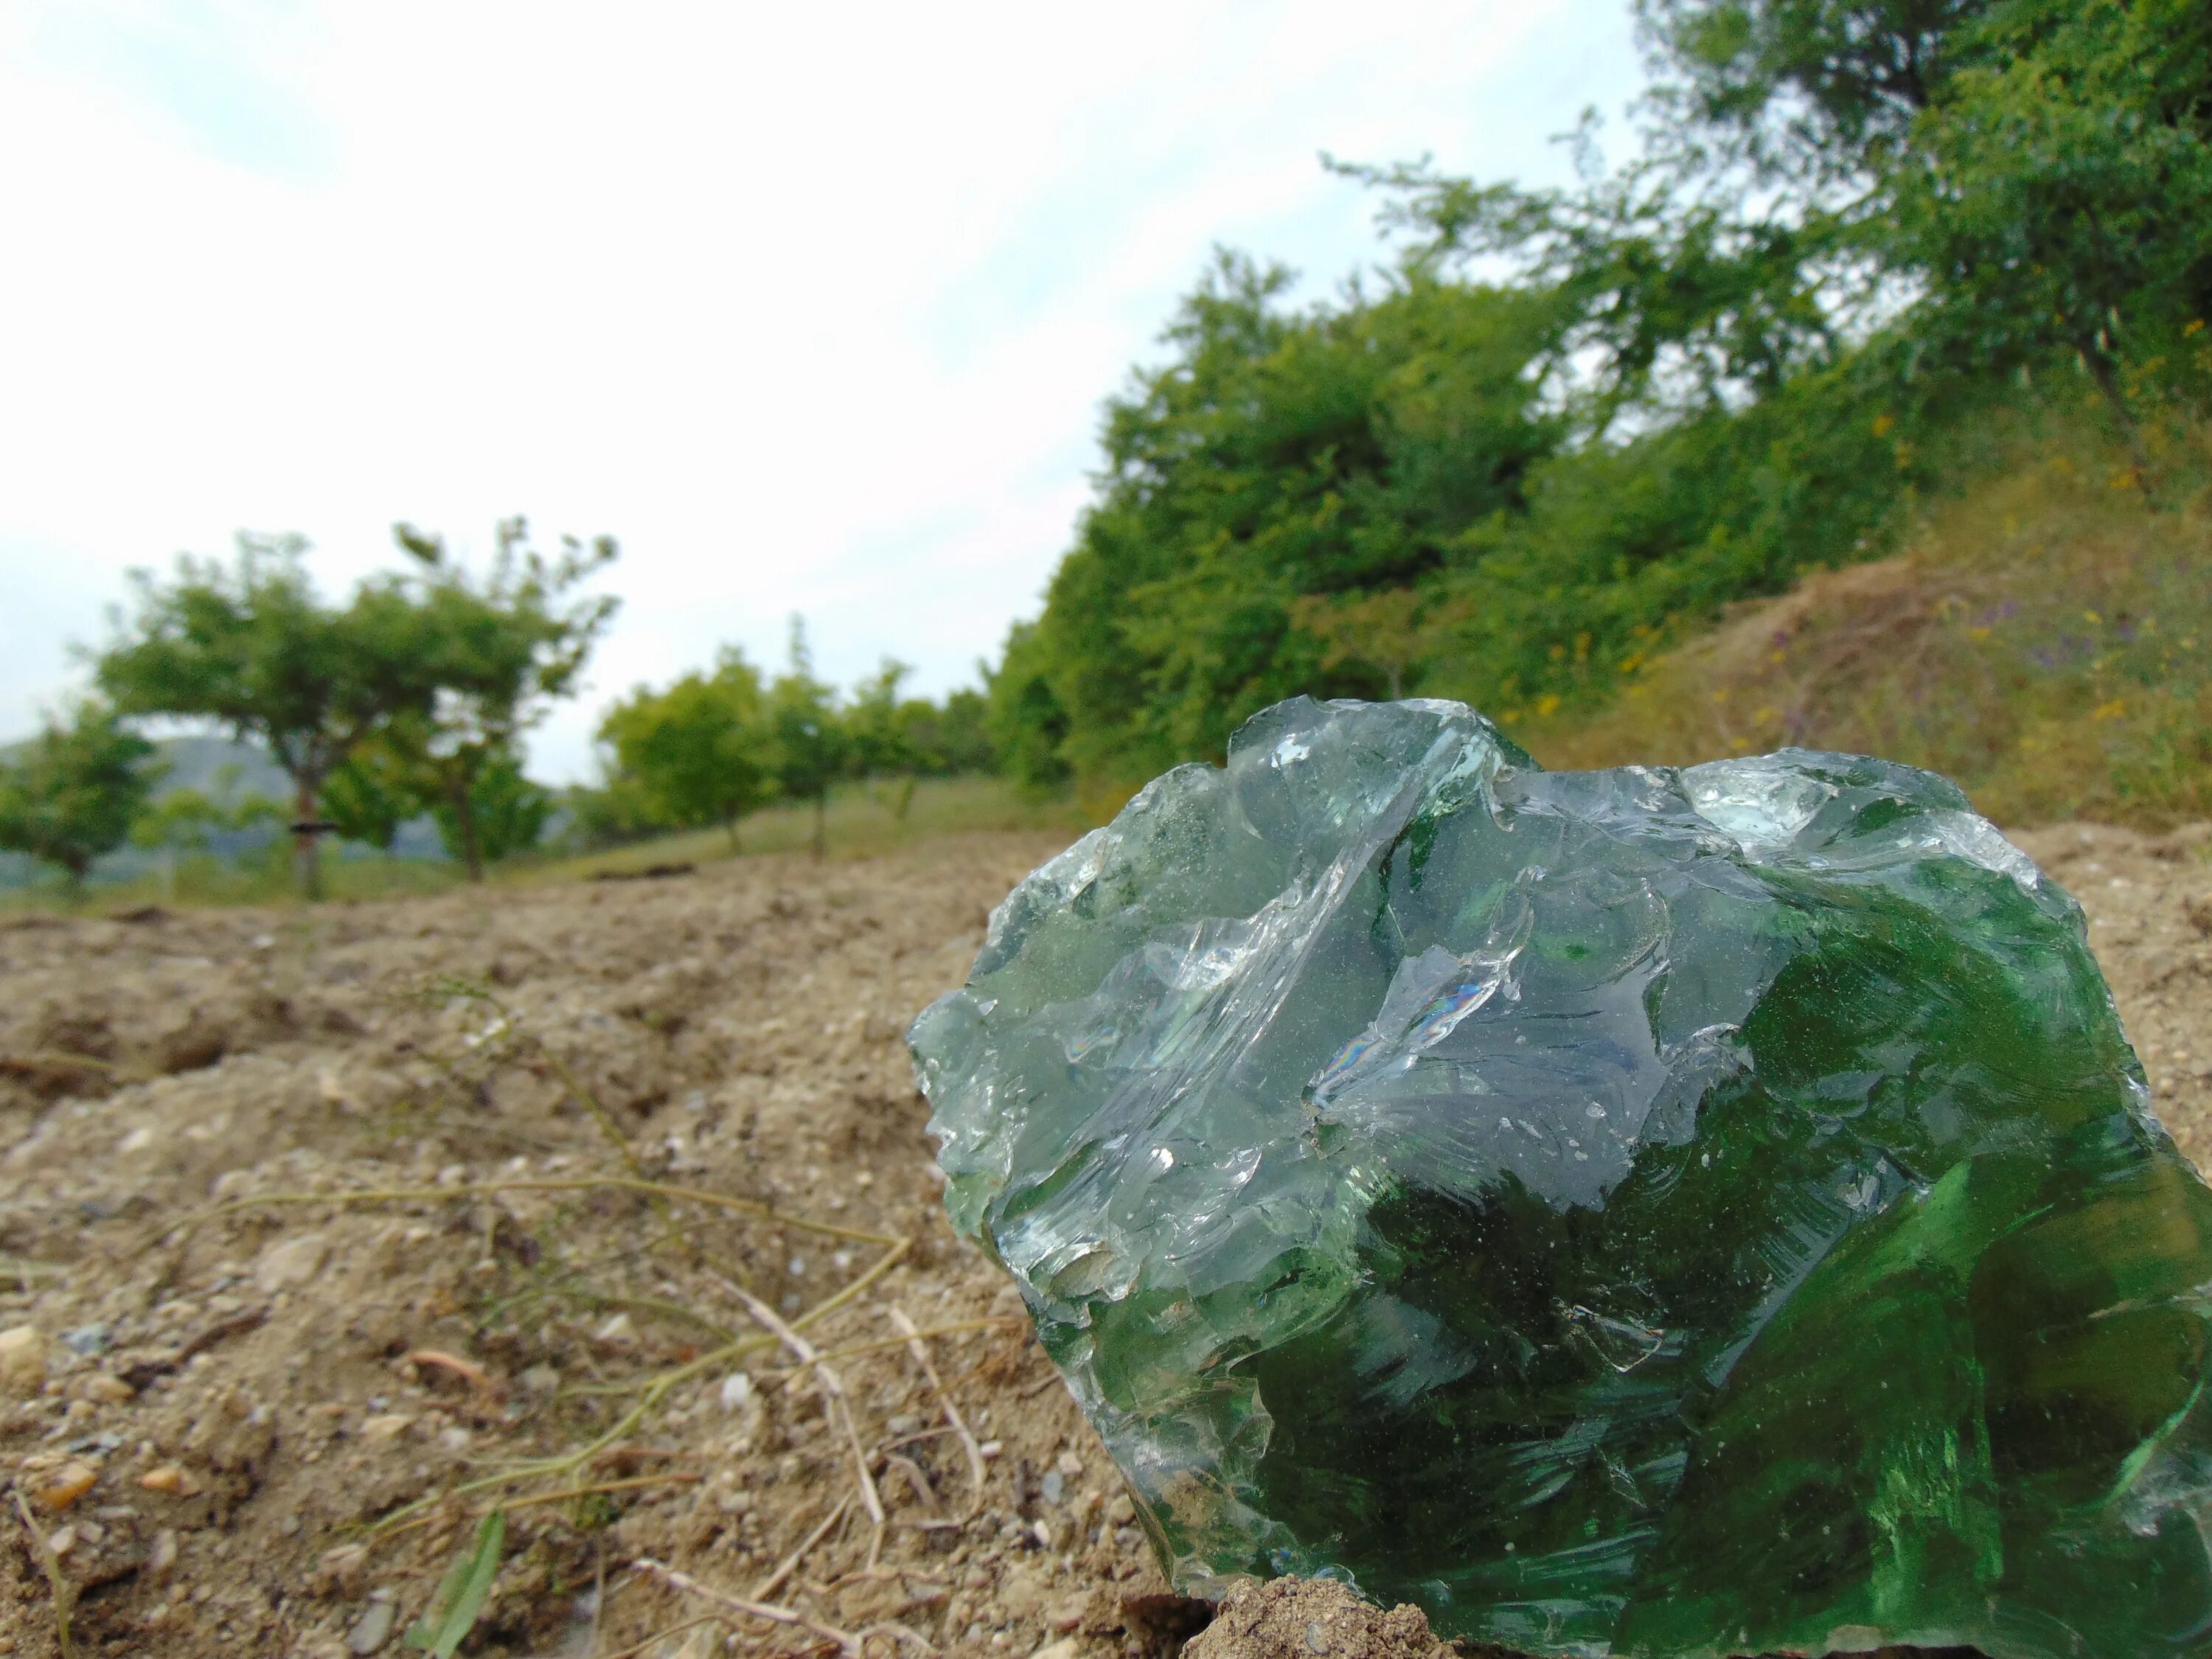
(226, 772)
(220, 768)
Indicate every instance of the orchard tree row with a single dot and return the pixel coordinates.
(414, 696)
(715, 746)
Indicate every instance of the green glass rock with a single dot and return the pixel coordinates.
(1648, 1212)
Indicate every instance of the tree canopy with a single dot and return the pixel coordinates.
(1567, 424)
(73, 792)
(697, 751)
(500, 648)
(252, 646)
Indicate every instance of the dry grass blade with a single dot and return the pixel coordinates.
(832, 1389)
(846, 1642)
(769, 1585)
(905, 1327)
(64, 1593)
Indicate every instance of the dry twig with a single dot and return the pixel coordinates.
(846, 1642)
(832, 1389)
(957, 1423)
(769, 1585)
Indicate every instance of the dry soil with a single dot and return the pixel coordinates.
(240, 1417)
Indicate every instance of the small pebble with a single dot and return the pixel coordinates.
(67, 1484)
(22, 1359)
(737, 1391)
(291, 1264)
(389, 1426)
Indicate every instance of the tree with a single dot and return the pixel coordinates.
(500, 649)
(807, 738)
(877, 738)
(506, 813)
(2056, 195)
(72, 793)
(371, 794)
(252, 646)
(1333, 453)
(696, 753)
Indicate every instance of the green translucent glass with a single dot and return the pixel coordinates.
(1647, 1212)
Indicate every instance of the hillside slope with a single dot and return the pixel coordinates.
(2045, 639)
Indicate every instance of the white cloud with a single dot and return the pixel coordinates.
(812, 307)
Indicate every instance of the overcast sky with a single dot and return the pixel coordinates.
(813, 307)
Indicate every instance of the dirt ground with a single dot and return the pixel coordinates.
(238, 1417)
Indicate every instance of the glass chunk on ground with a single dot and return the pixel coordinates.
(1638, 1212)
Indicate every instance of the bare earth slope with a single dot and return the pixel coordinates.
(245, 1436)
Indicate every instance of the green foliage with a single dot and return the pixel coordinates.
(875, 738)
(2057, 194)
(414, 693)
(887, 735)
(370, 794)
(459, 1597)
(1337, 451)
(2034, 176)
(696, 753)
(807, 746)
(499, 649)
(2045, 641)
(1856, 229)
(506, 813)
(72, 793)
(252, 646)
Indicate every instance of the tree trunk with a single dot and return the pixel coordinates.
(465, 820)
(2106, 375)
(306, 842)
(820, 824)
(905, 800)
(731, 824)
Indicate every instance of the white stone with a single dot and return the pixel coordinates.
(293, 1262)
(22, 1358)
